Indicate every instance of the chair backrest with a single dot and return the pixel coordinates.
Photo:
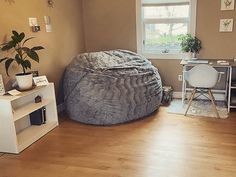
(202, 76)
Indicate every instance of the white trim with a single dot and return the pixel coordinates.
(139, 26)
(165, 4)
(166, 56)
(140, 36)
(193, 17)
(165, 20)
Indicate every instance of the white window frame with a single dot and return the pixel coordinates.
(140, 34)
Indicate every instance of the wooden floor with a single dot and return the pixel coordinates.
(163, 145)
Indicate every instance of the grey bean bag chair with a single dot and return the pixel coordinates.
(111, 87)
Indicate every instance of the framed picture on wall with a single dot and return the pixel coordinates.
(227, 4)
(226, 25)
(2, 89)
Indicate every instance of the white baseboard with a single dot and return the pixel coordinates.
(60, 107)
(218, 96)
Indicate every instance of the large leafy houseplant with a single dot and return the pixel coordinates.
(189, 43)
(22, 55)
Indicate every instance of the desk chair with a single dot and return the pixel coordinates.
(202, 78)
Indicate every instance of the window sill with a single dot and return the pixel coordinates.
(163, 56)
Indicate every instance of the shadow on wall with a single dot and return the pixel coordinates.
(60, 94)
(10, 1)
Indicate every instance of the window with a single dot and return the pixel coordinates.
(160, 22)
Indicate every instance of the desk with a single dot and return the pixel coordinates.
(228, 80)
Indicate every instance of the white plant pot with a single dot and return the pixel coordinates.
(186, 56)
(24, 81)
(194, 56)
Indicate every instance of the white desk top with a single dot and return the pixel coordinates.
(211, 62)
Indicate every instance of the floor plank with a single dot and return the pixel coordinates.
(162, 145)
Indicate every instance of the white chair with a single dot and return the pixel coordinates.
(202, 78)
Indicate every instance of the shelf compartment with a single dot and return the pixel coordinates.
(29, 108)
(31, 134)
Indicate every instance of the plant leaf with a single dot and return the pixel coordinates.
(26, 49)
(15, 33)
(17, 38)
(21, 36)
(28, 40)
(33, 55)
(8, 46)
(7, 64)
(18, 59)
(27, 64)
(3, 59)
(37, 48)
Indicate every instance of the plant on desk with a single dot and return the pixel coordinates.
(22, 54)
(190, 44)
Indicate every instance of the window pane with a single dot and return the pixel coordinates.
(181, 11)
(163, 38)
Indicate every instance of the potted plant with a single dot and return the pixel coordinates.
(190, 44)
(21, 55)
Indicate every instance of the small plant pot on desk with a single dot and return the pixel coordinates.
(24, 81)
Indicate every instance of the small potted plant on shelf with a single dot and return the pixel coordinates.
(22, 55)
(190, 44)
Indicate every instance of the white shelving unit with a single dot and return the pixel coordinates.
(232, 89)
(16, 132)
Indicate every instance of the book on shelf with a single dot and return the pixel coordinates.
(223, 62)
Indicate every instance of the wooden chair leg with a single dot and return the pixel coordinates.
(190, 100)
(213, 102)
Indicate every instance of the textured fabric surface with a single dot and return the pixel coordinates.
(111, 87)
(200, 108)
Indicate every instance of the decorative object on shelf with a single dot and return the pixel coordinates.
(14, 92)
(190, 44)
(227, 4)
(38, 117)
(226, 25)
(2, 88)
(222, 62)
(41, 81)
(22, 54)
(233, 83)
(50, 3)
(167, 95)
(38, 99)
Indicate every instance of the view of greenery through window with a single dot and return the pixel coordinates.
(164, 37)
(163, 25)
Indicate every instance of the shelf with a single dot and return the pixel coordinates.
(23, 93)
(233, 87)
(31, 134)
(29, 108)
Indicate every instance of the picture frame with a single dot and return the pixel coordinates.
(227, 5)
(226, 25)
(40, 81)
(2, 88)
